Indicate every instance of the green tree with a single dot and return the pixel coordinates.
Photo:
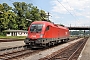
(20, 10)
(15, 18)
(35, 15)
(42, 14)
(4, 16)
(1, 8)
(1, 17)
(27, 11)
(12, 24)
(6, 7)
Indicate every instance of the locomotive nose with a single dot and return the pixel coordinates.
(36, 36)
(33, 36)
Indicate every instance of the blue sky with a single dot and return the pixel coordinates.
(74, 12)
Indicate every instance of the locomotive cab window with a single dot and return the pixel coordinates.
(36, 27)
(47, 28)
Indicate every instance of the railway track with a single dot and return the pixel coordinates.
(7, 52)
(18, 52)
(15, 52)
(69, 53)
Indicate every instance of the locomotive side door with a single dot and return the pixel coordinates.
(47, 32)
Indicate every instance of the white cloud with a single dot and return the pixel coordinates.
(79, 8)
(55, 17)
(69, 5)
(88, 16)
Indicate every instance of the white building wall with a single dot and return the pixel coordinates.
(17, 34)
(21, 34)
(8, 34)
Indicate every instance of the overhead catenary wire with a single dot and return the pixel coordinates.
(66, 9)
(72, 10)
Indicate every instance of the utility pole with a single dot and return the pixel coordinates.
(84, 33)
(70, 25)
(48, 16)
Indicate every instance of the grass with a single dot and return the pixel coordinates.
(12, 37)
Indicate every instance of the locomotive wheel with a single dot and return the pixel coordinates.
(52, 43)
(49, 44)
(56, 42)
(65, 40)
(62, 41)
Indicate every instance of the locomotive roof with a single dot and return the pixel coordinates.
(49, 23)
(41, 22)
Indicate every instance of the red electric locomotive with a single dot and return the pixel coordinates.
(43, 33)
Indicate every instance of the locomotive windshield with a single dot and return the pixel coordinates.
(36, 28)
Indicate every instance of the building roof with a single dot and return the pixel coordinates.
(16, 31)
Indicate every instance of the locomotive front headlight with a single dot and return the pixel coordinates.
(41, 35)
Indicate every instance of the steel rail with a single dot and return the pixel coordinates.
(59, 54)
(82, 45)
(10, 50)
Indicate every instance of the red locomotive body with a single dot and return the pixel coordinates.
(43, 33)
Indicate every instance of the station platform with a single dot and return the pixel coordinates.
(85, 54)
(4, 45)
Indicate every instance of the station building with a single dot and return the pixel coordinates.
(16, 32)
